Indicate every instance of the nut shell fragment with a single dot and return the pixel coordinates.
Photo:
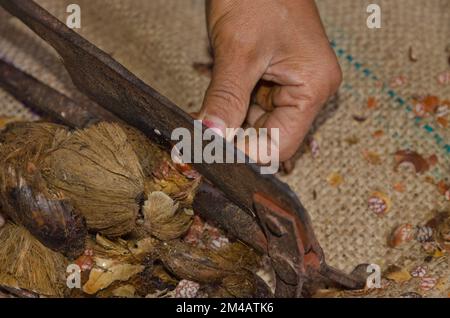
(379, 203)
(408, 156)
(402, 234)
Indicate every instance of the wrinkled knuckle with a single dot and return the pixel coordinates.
(230, 93)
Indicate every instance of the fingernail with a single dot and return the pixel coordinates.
(215, 124)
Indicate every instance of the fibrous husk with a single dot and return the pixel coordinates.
(33, 137)
(160, 172)
(150, 155)
(27, 264)
(246, 286)
(163, 219)
(24, 194)
(168, 179)
(99, 171)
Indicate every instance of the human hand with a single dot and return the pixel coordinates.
(280, 44)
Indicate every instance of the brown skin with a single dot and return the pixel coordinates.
(279, 41)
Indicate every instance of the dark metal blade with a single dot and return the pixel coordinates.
(116, 89)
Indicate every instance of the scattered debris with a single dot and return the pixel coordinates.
(371, 157)
(429, 247)
(402, 234)
(359, 119)
(187, 289)
(428, 283)
(425, 106)
(398, 81)
(411, 54)
(379, 203)
(378, 133)
(444, 78)
(372, 102)
(85, 261)
(314, 147)
(335, 179)
(411, 157)
(399, 187)
(419, 271)
(424, 234)
(352, 140)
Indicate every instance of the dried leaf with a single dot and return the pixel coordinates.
(108, 272)
(399, 276)
(438, 253)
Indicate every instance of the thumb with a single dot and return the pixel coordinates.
(227, 99)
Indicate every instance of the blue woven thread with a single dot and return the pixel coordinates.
(392, 94)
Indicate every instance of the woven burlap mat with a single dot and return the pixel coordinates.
(159, 41)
